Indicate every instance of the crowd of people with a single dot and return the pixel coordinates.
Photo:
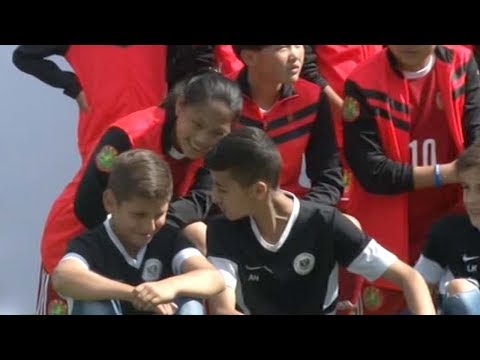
(191, 195)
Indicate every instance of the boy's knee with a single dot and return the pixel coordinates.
(458, 286)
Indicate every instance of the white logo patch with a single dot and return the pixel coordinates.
(152, 270)
(304, 263)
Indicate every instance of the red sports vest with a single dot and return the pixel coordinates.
(117, 81)
(144, 129)
(385, 218)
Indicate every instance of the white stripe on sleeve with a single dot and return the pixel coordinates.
(372, 262)
(430, 270)
(227, 268)
(181, 256)
(76, 256)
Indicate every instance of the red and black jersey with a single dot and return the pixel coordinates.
(223, 58)
(380, 130)
(116, 79)
(299, 123)
(150, 129)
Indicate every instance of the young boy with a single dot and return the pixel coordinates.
(451, 256)
(125, 265)
(282, 252)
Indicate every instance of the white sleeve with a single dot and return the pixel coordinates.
(372, 262)
(181, 256)
(228, 269)
(431, 271)
(77, 257)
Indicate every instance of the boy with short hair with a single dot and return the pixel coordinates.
(134, 262)
(283, 252)
(450, 260)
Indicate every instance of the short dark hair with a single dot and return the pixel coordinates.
(249, 154)
(237, 49)
(203, 88)
(140, 173)
(469, 158)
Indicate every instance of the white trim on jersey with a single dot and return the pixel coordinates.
(332, 289)
(77, 257)
(181, 256)
(293, 217)
(412, 75)
(136, 263)
(228, 269)
(372, 262)
(431, 271)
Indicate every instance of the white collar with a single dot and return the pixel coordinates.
(291, 220)
(174, 153)
(412, 75)
(136, 263)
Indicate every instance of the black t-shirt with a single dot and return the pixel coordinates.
(452, 251)
(103, 253)
(299, 274)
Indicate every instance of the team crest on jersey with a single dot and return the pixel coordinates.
(372, 298)
(351, 109)
(438, 101)
(304, 263)
(152, 270)
(105, 157)
(57, 307)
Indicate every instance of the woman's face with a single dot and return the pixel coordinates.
(199, 127)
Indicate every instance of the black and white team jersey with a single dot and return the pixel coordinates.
(299, 274)
(101, 251)
(452, 252)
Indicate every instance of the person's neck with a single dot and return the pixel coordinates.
(418, 67)
(131, 250)
(272, 216)
(263, 93)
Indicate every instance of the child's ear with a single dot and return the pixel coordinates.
(259, 190)
(179, 106)
(248, 57)
(109, 201)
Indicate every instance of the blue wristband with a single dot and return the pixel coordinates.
(437, 177)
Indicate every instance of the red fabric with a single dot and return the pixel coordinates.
(430, 142)
(386, 218)
(336, 63)
(117, 81)
(144, 128)
(227, 61)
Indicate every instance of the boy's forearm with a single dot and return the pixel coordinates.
(202, 283)
(417, 295)
(87, 285)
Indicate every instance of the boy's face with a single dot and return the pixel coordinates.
(136, 220)
(234, 200)
(277, 63)
(470, 181)
(412, 57)
(200, 127)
